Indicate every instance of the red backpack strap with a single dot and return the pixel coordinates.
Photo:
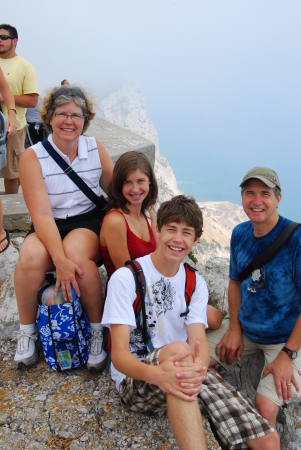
(190, 284)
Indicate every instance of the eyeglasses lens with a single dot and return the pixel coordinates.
(73, 117)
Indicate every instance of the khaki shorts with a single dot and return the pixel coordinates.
(233, 415)
(266, 387)
(15, 148)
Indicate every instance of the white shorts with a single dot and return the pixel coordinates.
(266, 387)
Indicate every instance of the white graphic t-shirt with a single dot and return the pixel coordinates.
(164, 302)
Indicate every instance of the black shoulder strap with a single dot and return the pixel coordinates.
(139, 303)
(98, 201)
(270, 251)
(190, 283)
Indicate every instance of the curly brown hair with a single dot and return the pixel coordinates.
(49, 105)
(127, 163)
(181, 209)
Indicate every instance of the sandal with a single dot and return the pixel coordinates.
(7, 237)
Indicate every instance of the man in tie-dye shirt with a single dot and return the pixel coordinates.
(265, 308)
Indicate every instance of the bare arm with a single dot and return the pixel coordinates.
(27, 100)
(196, 333)
(113, 235)
(232, 343)
(37, 201)
(106, 165)
(11, 123)
(282, 367)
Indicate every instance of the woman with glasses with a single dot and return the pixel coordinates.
(65, 223)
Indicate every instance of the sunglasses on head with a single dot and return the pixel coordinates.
(4, 37)
(67, 91)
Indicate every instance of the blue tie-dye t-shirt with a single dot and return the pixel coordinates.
(271, 295)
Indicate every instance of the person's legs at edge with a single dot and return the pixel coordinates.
(15, 148)
(185, 417)
(11, 185)
(2, 232)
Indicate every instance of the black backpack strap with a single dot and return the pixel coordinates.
(270, 251)
(139, 303)
(190, 284)
(101, 202)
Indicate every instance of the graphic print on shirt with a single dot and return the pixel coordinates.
(256, 279)
(158, 300)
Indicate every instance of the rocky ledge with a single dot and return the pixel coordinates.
(79, 410)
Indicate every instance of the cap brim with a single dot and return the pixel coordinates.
(264, 180)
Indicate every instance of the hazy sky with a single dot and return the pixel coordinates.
(221, 78)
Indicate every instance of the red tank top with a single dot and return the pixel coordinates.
(136, 246)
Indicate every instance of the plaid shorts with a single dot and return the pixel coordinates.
(233, 415)
(140, 396)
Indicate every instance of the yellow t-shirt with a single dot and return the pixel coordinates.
(22, 78)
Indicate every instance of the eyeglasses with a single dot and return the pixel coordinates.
(68, 91)
(4, 37)
(73, 117)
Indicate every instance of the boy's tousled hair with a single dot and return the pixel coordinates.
(127, 163)
(181, 209)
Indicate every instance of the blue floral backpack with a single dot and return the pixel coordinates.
(64, 328)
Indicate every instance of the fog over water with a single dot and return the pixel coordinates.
(221, 78)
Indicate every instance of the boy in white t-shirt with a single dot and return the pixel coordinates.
(174, 375)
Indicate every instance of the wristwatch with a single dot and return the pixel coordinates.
(291, 353)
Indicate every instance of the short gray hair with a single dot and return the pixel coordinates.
(276, 190)
(49, 105)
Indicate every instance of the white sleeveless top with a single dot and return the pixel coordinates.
(66, 199)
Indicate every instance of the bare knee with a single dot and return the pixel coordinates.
(214, 318)
(33, 256)
(176, 348)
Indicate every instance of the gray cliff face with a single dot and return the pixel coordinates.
(127, 108)
(219, 220)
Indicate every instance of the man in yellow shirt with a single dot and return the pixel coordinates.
(23, 81)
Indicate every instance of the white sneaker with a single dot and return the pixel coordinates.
(26, 353)
(97, 356)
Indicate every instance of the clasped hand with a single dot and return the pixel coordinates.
(184, 374)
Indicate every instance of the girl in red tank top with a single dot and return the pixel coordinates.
(127, 230)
